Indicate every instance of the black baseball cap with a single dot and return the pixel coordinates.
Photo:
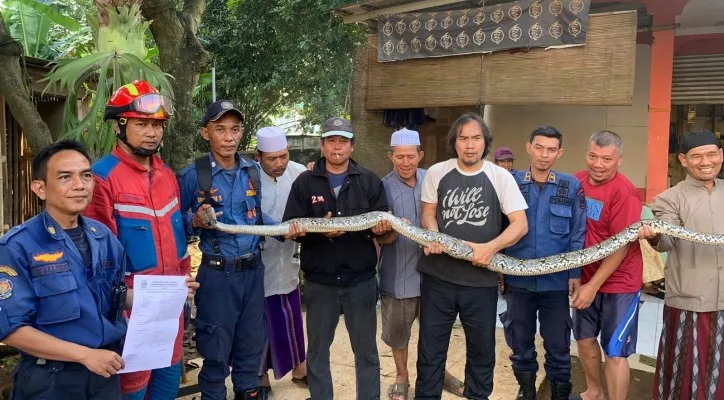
(338, 126)
(217, 110)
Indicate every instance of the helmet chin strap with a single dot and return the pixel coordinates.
(135, 150)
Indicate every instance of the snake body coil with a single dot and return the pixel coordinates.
(458, 249)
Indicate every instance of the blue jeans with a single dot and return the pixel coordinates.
(359, 305)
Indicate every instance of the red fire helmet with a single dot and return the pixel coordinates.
(139, 100)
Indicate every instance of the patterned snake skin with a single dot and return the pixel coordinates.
(456, 248)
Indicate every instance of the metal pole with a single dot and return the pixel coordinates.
(213, 82)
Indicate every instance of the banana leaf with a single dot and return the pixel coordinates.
(30, 21)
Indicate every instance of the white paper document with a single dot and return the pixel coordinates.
(152, 329)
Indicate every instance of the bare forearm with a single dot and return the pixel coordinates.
(511, 235)
(429, 222)
(42, 345)
(608, 265)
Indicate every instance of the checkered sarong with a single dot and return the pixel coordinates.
(690, 356)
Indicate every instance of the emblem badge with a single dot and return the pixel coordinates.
(144, 284)
(401, 46)
(515, 12)
(535, 31)
(535, 9)
(446, 40)
(388, 48)
(226, 105)
(576, 6)
(430, 24)
(463, 20)
(575, 28)
(556, 30)
(497, 36)
(387, 28)
(6, 289)
(515, 33)
(415, 26)
(416, 44)
(400, 27)
(479, 18)
(430, 43)
(4, 269)
(497, 15)
(479, 37)
(462, 40)
(556, 7)
(337, 122)
(447, 22)
(48, 257)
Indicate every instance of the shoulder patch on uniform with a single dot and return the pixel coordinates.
(105, 165)
(5, 269)
(48, 257)
(6, 288)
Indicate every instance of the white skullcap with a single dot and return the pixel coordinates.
(405, 137)
(271, 139)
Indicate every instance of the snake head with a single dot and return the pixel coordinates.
(211, 216)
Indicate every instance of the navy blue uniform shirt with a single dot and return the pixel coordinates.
(45, 284)
(556, 224)
(237, 199)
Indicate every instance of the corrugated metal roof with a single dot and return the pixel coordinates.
(698, 80)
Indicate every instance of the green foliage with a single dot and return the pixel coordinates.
(272, 55)
(124, 32)
(45, 28)
(104, 72)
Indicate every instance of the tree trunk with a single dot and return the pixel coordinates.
(184, 58)
(17, 94)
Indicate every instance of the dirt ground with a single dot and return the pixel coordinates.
(342, 366)
(505, 386)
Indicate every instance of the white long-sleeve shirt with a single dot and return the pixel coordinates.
(281, 275)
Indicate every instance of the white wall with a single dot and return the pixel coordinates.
(511, 126)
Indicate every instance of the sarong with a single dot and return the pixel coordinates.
(285, 334)
(689, 364)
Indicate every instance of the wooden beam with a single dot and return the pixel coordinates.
(403, 8)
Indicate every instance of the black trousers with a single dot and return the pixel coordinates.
(57, 380)
(440, 304)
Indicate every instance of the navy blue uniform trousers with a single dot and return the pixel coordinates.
(519, 322)
(230, 328)
(57, 380)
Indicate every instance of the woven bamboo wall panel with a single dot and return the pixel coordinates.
(599, 73)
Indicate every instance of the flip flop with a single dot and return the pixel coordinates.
(301, 381)
(398, 389)
(454, 386)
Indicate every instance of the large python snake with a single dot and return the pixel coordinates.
(458, 249)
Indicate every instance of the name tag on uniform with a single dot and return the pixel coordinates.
(594, 208)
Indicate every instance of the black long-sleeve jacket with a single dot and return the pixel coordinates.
(350, 258)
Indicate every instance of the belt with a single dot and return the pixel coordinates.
(115, 347)
(238, 264)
